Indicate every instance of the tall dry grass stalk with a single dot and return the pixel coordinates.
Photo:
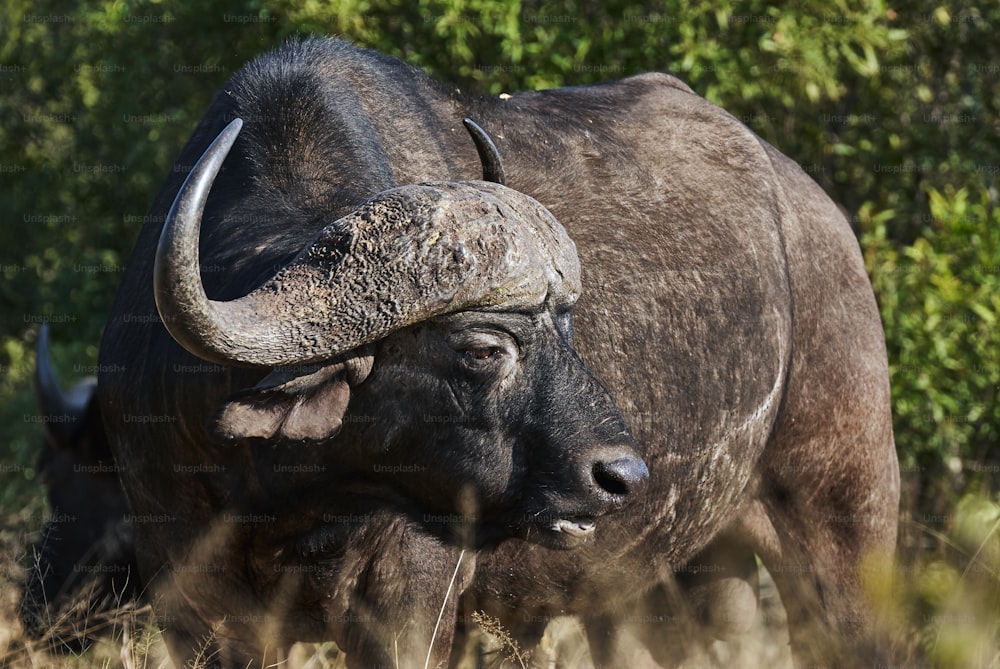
(508, 645)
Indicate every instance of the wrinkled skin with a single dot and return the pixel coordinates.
(725, 309)
(83, 564)
(504, 439)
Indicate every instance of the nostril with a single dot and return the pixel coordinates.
(621, 477)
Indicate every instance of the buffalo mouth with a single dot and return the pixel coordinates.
(560, 531)
(568, 532)
(577, 528)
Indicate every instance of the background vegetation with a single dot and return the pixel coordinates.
(892, 108)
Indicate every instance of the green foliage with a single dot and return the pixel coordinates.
(940, 301)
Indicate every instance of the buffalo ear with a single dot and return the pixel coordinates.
(302, 404)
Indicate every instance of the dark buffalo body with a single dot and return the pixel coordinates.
(82, 566)
(726, 336)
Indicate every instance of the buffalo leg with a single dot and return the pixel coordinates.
(829, 532)
(714, 596)
(398, 596)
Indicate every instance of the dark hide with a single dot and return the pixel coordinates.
(82, 568)
(725, 310)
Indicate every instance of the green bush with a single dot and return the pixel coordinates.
(940, 302)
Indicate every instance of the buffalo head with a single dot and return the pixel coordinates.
(427, 332)
(83, 564)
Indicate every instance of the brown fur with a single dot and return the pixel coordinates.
(725, 308)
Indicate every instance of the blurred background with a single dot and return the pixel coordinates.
(894, 108)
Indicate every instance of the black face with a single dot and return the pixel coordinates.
(491, 420)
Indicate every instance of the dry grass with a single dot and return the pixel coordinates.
(942, 604)
(507, 646)
(129, 638)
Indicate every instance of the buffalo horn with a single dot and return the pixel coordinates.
(488, 154)
(60, 411)
(406, 255)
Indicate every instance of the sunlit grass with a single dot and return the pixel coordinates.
(940, 603)
(943, 602)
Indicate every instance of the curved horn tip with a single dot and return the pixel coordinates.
(43, 340)
(49, 395)
(180, 298)
(489, 156)
(233, 127)
(45, 373)
(46, 379)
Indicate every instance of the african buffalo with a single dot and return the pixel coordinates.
(82, 566)
(380, 392)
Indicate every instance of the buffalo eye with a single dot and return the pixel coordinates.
(482, 347)
(481, 355)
